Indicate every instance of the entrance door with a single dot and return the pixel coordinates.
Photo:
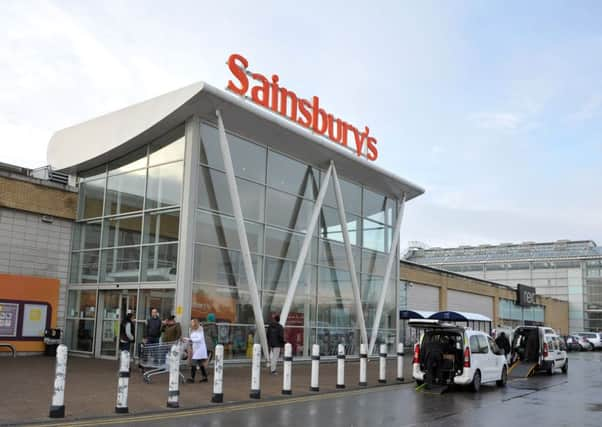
(113, 305)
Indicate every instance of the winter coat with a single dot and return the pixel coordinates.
(153, 327)
(275, 334)
(199, 349)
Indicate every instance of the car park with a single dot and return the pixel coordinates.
(539, 348)
(595, 338)
(451, 354)
(572, 343)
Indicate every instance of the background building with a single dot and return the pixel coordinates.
(37, 210)
(567, 270)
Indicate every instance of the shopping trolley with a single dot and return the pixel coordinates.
(154, 361)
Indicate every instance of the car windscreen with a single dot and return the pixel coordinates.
(589, 335)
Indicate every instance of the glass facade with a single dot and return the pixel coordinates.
(277, 195)
(128, 230)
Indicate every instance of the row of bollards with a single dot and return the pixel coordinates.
(57, 408)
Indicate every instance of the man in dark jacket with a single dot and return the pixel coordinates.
(275, 335)
(503, 343)
(153, 327)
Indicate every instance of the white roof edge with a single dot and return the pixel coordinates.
(110, 136)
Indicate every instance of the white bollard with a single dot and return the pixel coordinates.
(287, 369)
(218, 383)
(315, 368)
(341, 366)
(256, 373)
(57, 407)
(123, 383)
(173, 362)
(363, 365)
(382, 364)
(400, 362)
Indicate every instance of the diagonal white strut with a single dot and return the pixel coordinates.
(393, 257)
(242, 234)
(349, 254)
(315, 214)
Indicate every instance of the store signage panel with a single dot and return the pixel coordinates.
(9, 314)
(269, 94)
(525, 295)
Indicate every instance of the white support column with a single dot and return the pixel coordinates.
(305, 247)
(185, 266)
(354, 284)
(242, 234)
(392, 258)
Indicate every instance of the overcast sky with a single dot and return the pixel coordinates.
(494, 107)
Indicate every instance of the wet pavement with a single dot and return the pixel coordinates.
(574, 399)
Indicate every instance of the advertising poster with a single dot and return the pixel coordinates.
(8, 319)
(34, 320)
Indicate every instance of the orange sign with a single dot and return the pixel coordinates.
(308, 114)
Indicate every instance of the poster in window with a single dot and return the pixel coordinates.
(34, 320)
(8, 319)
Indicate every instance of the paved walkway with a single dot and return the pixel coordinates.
(91, 386)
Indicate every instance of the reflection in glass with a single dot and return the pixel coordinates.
(336, 313)
(292, 176)
(330, 225)
(79, 335)
(278, 275)
(329, 339)
(285, 244)
(82, 304)
(227, 304)
(91, 198)
(371, 288)
(374, 236)
(373, 262)
(374, 206)
(120, 265)
(334, 284)
(159, 263)
(161, 227)
(84, 267)
(288, 211)
(125, 193)
(220, 230)
(222, 267)
(161, 299)
(164, 185)
(132, 161)
(214, 195)
(333, 255)
(168, 153)
(86, 235)
(352, 195)
(122, 231)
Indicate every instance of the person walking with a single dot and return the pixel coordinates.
(153, 327)
(275, 335)
(171, 330)
(126, 334)
(503, 343)
(199, 351)
(210, 331)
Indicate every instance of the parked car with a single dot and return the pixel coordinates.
(451, 354)
(541, 346)
(594, 338)
(572, 343)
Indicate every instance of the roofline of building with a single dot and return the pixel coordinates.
(502, 245)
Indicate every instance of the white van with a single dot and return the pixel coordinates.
(452, 354)
(540, 347)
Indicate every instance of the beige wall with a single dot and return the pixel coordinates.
(556, 311)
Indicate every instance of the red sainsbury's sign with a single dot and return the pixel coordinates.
(307, 113)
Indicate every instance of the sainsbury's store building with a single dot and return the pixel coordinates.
(200, 201)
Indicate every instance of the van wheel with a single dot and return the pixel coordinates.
(476, 382)
(504, 379)
(565, 368)
(551, 369)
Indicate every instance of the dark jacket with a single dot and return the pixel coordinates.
(171, 332)
(275, 334)
(210, 329)
(153, 327)
(123, 337)
(503, 343)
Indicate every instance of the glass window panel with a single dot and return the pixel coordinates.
(285, 244)
(210, 151)
(84, 267)
(125, 193)
(329, 338)
(91, 198)
(161, 299)
(86, 235)
(164, 185)
(82, 304)
(161, 227)
(220, 230)
(120, 265)
(373, 262)
(336, 313)
(302, 311)
(122, 231)
(223, 267)
(352, 195)
(214, 194)
(333, 255)
(292, 176)
(373, 236)
(229, 305)
(334, 284)
(130, 162)
(374, 206)
(167, 153)
(278, 274)
(79, 335)
(371, 288)
(330, 226)
(288, 211)
(159, 263)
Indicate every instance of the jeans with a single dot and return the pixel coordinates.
(274, 355)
